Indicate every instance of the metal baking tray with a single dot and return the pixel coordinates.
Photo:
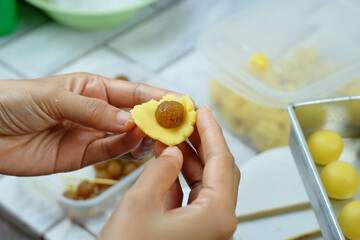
(341, 115)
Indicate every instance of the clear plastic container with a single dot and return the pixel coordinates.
(277, 52)
(53, 187)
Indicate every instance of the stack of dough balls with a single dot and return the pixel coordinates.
(340, 179)
(144, 117)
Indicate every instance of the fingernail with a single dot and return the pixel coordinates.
(171, 151)
(123, 118)
(205, 108)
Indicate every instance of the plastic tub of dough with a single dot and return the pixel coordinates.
(277, 52)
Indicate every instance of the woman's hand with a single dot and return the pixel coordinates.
(151, 209)
(60, 123)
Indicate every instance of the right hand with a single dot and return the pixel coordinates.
(151, 209)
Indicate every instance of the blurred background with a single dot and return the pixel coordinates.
(247, 59)
(144, 40)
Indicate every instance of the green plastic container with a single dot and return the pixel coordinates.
(88, 20)
(8, 16)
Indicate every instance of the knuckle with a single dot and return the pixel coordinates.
(147, 144)
(137, 93)
(130, 198)
(226, 224)
(229, 156)
(81, 75)
(133, 141)
(134, 199)
(230, 226)
(106, 149)
(170, 163)
(95, 107)
(51, 105)
(161, 164)
(150, 166)
(84, 82)
(53, 90)
(195, 184)
(237, 173)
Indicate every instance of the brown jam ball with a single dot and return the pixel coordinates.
(103, 173)
(129, 167)
(85, 190)
(71, 194)
(138, 164)
(170, 114)
(103, 188)
(115, 169)
(101, 166)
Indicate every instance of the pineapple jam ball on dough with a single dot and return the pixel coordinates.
(144, 117)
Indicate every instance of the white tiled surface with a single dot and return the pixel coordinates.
(29, 18)
(52, 46)
(157, 47)
(189, 69)
(67, 230)
(7, 73)
(173, 32)
(40, 216)
(94, 225)
(104, 62)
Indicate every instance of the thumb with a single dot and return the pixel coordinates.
(160, 174)
(92, 112)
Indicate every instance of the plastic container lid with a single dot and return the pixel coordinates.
(313, 49)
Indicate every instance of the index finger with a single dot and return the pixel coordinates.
(129, 94)
(220, 170)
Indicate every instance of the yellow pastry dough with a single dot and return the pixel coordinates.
(144, 117)
(266, 127)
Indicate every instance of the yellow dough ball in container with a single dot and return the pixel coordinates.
(349, 220)
(258, 63)
(325, 146)
(341, 180)
(328, 160)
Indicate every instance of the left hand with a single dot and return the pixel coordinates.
(60, 123)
